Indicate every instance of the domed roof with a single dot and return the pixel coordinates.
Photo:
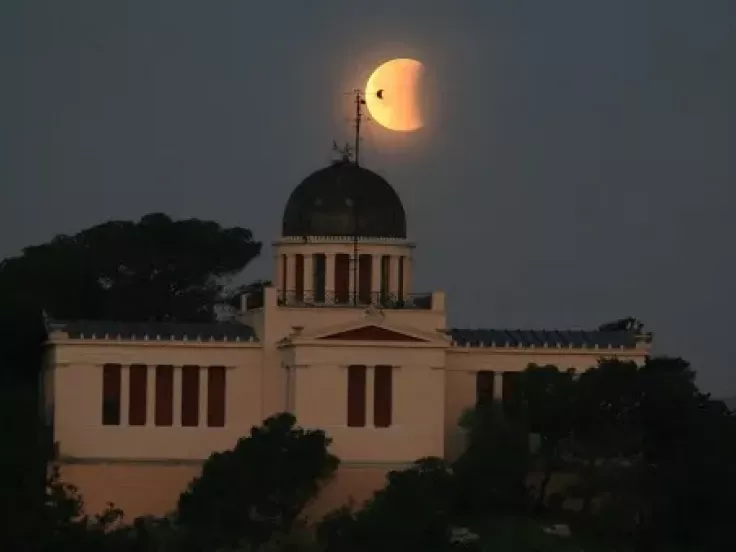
(344, 200)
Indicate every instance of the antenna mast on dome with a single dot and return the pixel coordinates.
(359, 103)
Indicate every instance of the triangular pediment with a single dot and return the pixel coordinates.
(372, 332)
(371, 329)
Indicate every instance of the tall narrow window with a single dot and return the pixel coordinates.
(511, 399)
(356, 396)
(382, 396)
(284, 275)
(365, 269)
(342, 278)
(299, 278)
(484, 387)
(319, 264)
(138, 394)
(400, 283)
(111, 394)
(190, 396)
(385, 277)
(216, 393)
(164, 411)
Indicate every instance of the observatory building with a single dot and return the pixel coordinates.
(341, 339)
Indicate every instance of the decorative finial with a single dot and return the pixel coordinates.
(346, 152)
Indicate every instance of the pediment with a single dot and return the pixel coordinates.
(372, 332)
(370, 328)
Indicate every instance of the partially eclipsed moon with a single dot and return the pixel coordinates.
(392, 95)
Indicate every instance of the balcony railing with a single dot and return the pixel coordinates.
(307, 299)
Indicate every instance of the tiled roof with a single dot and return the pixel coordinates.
(162, 331)
(575, 339)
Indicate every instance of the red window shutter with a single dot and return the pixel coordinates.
(164, 395)
(401, 279)
(216, 396)
(385, 277)
(365, 272)
(342, 278)
(111, 394)
(382, 395)
(138, 386)
(356, 396)
(512, 399)
(484, 381)
(320, 283)
(299, 277)
(190, 396)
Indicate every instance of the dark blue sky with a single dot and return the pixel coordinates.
(577, 165)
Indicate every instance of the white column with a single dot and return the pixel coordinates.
(330, 276)
(202, 396)
(394, 275)
(279, 272)
(150, 395)
(376, 275)
(292, 389)
(177, 396)
(309, 277)
(369, 392)
(124, 394)
(407, 274)
(287, 397)
(290, 273)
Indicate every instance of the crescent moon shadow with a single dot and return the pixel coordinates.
(400, 110)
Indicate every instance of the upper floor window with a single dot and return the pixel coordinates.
(365, 273)
(164, 395)
(342, 278)
(512, 398)
(484, 381)
(400, 283)
(356, 395)
(138, 394)
(216, 396)
(319, 264)
(299, 277)
(190, 396)
(159, 401)
(385, 277)
(382, 396)
(111, 384)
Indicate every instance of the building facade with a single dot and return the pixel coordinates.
(341, 339)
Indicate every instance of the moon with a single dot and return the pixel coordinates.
(392, 95)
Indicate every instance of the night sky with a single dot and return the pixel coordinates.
(577, 164)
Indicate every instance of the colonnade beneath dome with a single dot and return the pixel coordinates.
(340, 278)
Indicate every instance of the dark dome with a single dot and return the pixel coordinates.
(342, 200)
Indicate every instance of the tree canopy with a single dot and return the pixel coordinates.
(153, 269)
(259, 487)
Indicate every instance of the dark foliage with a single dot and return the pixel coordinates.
(155, 269)
(491, 474)
(548, 395)
(413, 512)
(259, 487)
